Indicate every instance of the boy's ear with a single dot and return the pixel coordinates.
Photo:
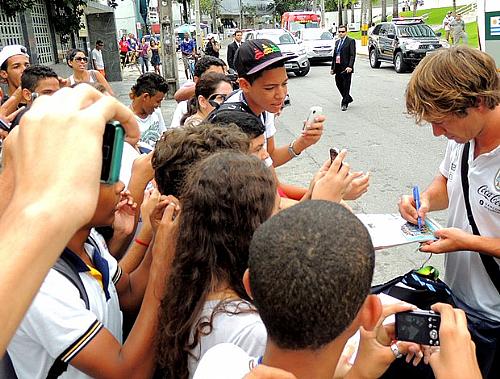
(244, 84)
(246, 283)
(370, 312)
(26, 94)
(3, 74)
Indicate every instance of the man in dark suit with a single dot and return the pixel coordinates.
(232, 47)
(343, 65)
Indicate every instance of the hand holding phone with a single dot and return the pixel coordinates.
(4, 126)
(333, 154)
(112, 149)
(418, 326)
(314, 111)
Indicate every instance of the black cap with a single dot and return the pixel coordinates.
(255, 55)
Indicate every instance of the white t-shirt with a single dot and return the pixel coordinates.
(245, 330)
(151, 127)
(465, 272)
(267, 119)
(97, 57)
(225, 361)
(57, 323)
(181, 108)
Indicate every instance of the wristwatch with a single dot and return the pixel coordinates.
(292, 152)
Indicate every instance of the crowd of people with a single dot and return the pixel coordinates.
(200, 262)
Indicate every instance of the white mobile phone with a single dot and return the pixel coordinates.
(313, 112)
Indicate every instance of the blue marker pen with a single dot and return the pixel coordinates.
(416, 197)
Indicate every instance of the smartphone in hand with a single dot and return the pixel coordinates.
(333, 154)
(313, 112)
(4, 126)
(112, 149)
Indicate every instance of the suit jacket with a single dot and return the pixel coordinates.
(231, 51)
(347, 55)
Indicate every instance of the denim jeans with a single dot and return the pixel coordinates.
(144, 64)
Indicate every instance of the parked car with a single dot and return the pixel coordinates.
(403, 42)
(319, 43)
(287, 43)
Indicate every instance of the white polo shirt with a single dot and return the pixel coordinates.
(57, 323)
(464, 270)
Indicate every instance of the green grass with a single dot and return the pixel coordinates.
(436, 16)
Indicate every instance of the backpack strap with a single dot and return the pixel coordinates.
(489, 263)
(65, 267)
(6, 368)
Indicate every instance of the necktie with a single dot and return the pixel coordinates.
(340, 45)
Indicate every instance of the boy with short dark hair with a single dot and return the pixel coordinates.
(317, 298)
(249, 124)
(147, 95)
(38, 79)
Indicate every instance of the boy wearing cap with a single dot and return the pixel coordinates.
(263, 87)
(14, 59)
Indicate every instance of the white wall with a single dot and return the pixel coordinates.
(125, 17)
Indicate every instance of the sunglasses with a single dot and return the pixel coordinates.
(81, 59)
(216, 99)
(342, 31)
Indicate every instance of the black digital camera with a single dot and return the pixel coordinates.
(418, 326)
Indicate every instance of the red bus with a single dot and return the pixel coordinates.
(293, 21)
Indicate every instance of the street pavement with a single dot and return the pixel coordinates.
(379, 137)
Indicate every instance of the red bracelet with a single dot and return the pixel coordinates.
(139, 242)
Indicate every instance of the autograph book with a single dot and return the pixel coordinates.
(388, 230)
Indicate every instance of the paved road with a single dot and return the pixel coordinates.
(380, 138)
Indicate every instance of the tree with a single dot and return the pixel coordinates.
(11, 7)
(283, 6)
(66, 14)
(383, 4)
(395, 9)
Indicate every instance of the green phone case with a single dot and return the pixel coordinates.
(116, 157)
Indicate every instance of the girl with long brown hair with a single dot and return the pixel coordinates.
(224, 199)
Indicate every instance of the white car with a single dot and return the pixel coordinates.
(287, 43)
(319, 43)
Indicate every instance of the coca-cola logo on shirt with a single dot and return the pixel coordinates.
(491, 199)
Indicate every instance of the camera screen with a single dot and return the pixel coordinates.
(413, 328)
(418, 327)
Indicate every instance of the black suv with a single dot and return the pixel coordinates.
(403, 42)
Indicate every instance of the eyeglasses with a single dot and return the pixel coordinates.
(81, 59)
(216, 99)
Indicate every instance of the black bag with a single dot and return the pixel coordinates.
(415, 288)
